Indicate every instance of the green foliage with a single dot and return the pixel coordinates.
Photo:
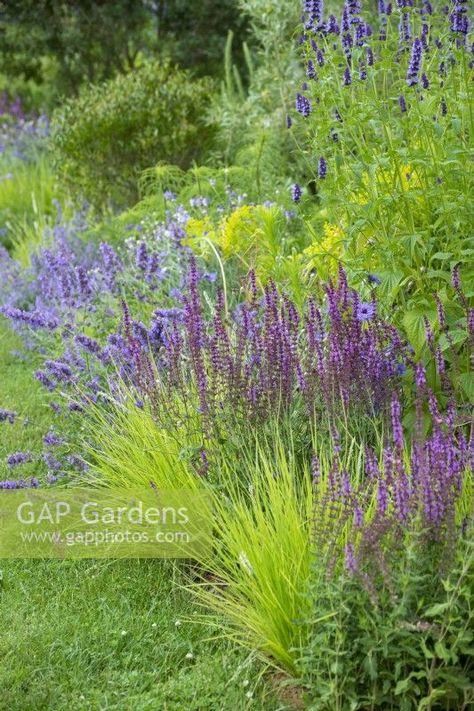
(194, 36)
(27, 190)
(124, 434)
(262, 504)
(411, 648)
(396, 195)
(398, 182)
(50, 48)
(102, 140)
(251, 115)
(19, 388)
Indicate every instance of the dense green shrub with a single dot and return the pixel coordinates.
(49, 48)
(410, 647)
(103, 139)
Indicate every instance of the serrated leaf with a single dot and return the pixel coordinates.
(413, 322)
(457, 336)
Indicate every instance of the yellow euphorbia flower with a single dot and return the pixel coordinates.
(238, 231)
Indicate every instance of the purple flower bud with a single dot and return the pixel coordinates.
(51, 439)
(350, 561)
(397, 430)
(87, 343)
(358, 517)
(456, 278)
(415, 63)
(420, 376)
(77, 463)
(51, 462)
(404, 28)
(332, 26)
(347, 77)
(322, 168)
(19, 484)
(402, 103)
(45, 380)
(142, 256)
(440, 312)
(296, 192)
(303, 105)
(315, 470)
(459, 19)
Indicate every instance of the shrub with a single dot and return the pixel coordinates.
(412, 650)
(103, 139)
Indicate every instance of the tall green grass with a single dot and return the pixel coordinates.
(254, 587)
(27, 190)
(255, 581)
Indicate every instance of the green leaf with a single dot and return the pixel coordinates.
(436, 610)
(427, 702)
(413, 322)
(466, 381)
(457, 336)
(442, 255)
(442, 652)
(391, 281)
(402, 686)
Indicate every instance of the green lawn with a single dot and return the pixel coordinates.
(113, 635)
(77, 635)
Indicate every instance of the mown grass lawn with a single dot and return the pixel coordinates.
(113, 635)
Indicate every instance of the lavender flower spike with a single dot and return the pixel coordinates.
(415, 62)
(296, 192)
(17, 458)
(303, 105)
(322, 168)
